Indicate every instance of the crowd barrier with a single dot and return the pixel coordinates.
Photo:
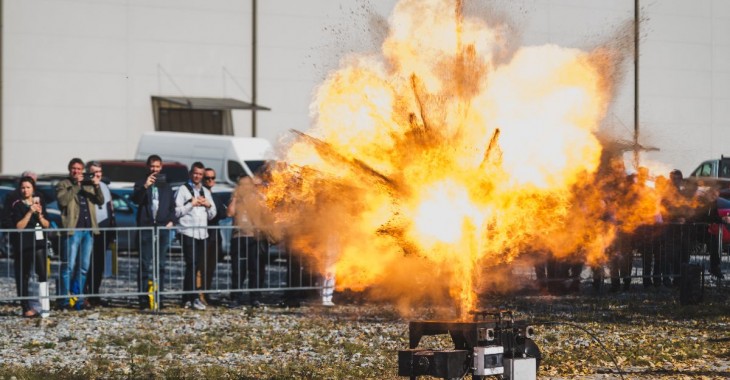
(117, 267)
(652, 255)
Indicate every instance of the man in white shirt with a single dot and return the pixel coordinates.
(194, 206)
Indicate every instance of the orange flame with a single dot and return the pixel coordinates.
(433, 162)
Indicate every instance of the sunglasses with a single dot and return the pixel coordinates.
(208, 178)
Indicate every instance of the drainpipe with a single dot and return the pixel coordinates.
(253, 67)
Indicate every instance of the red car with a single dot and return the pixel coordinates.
(723, 209)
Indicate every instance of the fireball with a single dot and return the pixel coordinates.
(431, 162)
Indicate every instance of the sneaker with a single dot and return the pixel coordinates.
(328, 303)
(198, 305)
(187, 305)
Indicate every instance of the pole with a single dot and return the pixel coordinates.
(253, 67)
(2, 27)
(636, 82)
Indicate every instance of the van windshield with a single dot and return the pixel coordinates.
(235, 169)
(255, 166)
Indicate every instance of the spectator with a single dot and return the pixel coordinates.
(707, 214)
(647, 238)
(74, 197)
(7, 220)
(194, 206)
(676, 205)
(104, 218)
(11, 198)
(156, 209)
(28, 213)
(211, 255)
(247, 241)
(618, 189)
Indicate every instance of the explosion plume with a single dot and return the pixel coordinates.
(434, 161)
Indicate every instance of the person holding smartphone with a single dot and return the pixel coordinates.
(28, 215)
(156, 209)
(76, 196)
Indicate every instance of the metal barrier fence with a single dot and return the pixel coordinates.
(651, 256)
(144, 265)
(124, 265)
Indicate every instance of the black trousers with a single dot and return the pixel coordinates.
(194, 255)
(96, 268)
(211, 259)
(621, 261)
(31, 258)
(255, 252)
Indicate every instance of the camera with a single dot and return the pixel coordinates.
(88, 179)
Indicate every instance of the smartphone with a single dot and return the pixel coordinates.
(161, 178)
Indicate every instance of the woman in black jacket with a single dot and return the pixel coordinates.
(28, 215)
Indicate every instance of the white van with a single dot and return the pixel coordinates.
(230, 156)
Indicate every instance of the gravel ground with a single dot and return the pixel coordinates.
(648, 334)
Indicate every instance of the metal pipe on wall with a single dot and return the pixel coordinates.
(254, 17)
(637, 22)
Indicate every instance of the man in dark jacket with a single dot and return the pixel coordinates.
(156, 209)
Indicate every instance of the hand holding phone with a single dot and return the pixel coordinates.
(151, 179)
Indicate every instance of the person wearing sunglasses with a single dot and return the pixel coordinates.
(212, 252)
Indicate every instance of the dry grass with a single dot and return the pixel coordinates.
(648, 334)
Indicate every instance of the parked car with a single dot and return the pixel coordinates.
(9, 180)
(125, 212)
(4, 241)
(723, 209)
(230, 156)
(714, 172)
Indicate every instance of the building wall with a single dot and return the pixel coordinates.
(78, 74)
(685, 81)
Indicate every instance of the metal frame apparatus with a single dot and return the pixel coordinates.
(493, 344)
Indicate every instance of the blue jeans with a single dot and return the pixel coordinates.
(75, 260)
(146, 249)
